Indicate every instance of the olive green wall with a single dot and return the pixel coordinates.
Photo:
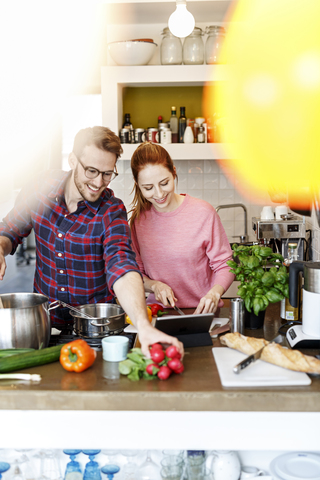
(145, 104)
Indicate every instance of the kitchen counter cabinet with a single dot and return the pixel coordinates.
(194, 403)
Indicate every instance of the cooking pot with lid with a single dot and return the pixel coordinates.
(24, 321)
(108, 319)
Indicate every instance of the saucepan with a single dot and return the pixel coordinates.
(107, 319)
(24, 321)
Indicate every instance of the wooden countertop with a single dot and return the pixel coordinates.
(197, 389)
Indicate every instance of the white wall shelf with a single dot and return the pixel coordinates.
(181, 151)
(114, 79)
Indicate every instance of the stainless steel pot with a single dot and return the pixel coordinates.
(24, 321)
(108, 318)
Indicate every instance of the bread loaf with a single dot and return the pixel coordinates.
(273, 353)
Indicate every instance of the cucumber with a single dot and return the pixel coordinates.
(30, 359)
(7, 352)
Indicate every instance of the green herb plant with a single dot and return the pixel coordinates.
(263, 277)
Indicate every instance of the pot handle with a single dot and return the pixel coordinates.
(100, 324)
(53, 305)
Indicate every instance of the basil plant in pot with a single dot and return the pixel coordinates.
(263, 279)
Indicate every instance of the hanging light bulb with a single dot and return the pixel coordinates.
(181, 22)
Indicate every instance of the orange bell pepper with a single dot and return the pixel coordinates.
(77, 356)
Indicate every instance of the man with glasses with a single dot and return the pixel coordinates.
(83, 244)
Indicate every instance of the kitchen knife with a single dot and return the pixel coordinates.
(255, 356)
(177, 309)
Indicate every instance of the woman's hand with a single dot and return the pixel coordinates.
(210, 302)
(163, 293)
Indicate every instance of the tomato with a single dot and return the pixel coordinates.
(175, 365)
(179, 370)
(164, 372)
(157, 355)
(152, 369)
(173, 352)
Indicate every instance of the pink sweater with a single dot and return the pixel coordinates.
(187, 249)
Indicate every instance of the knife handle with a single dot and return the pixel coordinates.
(243, 364)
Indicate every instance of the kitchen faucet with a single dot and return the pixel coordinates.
(243, 238)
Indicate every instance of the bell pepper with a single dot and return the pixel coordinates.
(157, 310)
(77, 356)
(128, 320)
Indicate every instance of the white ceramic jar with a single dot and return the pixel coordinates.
(225, 465)
(170, 49)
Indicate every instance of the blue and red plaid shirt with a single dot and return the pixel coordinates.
(79, 255)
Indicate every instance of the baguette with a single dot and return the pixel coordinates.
(272, 353)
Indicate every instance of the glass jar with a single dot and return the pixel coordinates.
(170, 49)
(214, 43)
(193, 48)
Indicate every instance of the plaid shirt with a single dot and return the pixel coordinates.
(79, 255)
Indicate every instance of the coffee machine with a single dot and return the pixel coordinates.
(278, 233)
(306, 335)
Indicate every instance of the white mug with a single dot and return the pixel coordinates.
(115, 348)
(250, 472)
(281, 210)
(267, 213)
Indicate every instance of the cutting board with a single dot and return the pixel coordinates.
(258, 374)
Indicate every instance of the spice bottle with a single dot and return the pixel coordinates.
(182, 124)
(127, 124)
(201, 135)
(174, 125)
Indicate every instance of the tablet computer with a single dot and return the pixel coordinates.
(191, 330)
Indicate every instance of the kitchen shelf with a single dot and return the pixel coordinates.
(114, 79)
(181, 151)
(123, 12)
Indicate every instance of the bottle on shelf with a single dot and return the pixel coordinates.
(127, 124)
(188, 136)
(159, 120)
(287, 312)
(201, 135)
(174, 125)
(182, 124)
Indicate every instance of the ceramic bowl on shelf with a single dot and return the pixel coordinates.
(132, 52)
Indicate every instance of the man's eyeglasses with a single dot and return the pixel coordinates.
(91, 173)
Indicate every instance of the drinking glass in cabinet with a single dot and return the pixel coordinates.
(170, 49)
(73, 468)
(4, 466)
(92, 470)
(50, 467)
(193, 48)
(110, 470)
(214, 44)
(129, 468)
(149, 470)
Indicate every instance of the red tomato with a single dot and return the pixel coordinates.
(179, 370)
(175, 365)
(152, 369)
(164, 372)
(173, 352)
(157, 355)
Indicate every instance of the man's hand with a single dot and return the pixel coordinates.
(150, 335)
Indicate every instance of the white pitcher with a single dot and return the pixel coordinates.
(225, 465)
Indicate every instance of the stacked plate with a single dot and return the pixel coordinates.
(296, 466)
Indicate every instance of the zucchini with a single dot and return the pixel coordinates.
(30, 359)
(7, 352)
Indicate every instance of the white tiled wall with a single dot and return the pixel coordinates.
(201, 179)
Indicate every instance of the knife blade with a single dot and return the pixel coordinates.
(255, 356)
(177, 309)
